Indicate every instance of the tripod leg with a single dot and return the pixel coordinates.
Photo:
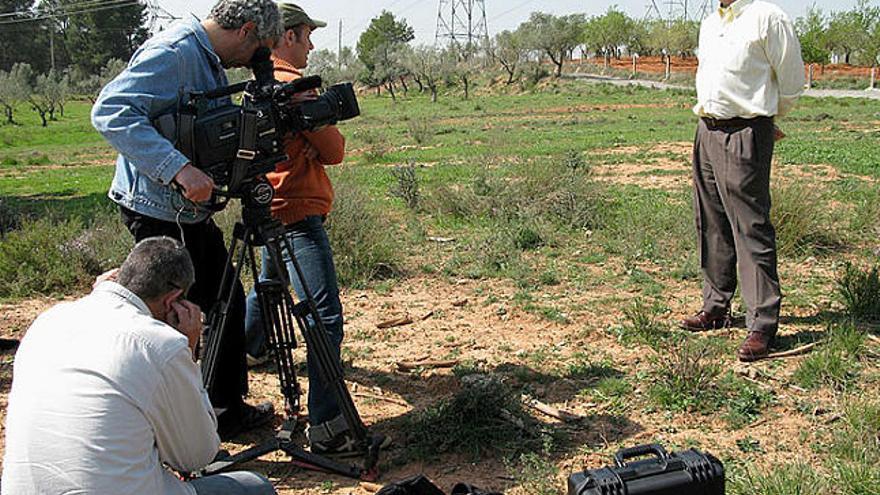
(219, 312)
(330, 369)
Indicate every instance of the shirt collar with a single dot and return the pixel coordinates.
(121, 292)
(281, 64)
(202, 36)
(730, 13)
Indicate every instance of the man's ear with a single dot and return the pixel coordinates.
(169, 298)
(247, 28)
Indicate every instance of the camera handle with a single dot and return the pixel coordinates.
(279, 312)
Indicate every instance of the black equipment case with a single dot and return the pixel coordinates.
(690, 472)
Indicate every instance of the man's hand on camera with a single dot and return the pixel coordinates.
(197, 186)
(309, 95)
(186, 317)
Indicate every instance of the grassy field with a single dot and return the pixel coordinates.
(544, 240)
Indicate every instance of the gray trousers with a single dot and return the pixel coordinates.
(235, 483)
(732, 207)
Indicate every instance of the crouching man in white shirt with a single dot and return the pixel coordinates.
(106, 395)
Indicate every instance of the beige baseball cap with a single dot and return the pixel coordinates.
(293, 15)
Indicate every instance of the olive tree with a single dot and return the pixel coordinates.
(15, 88)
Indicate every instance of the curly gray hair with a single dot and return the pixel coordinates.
(233, 14)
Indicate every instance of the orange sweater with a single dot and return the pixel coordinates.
(302, 187)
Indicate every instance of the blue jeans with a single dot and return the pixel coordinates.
(312, 250)
(236, 483)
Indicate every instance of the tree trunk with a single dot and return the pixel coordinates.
(873, 77)
(418, 81)
(405, 87)
(379, 90)
(635, 66)
(558, 68)
(510, 77)
(433, 93)
(8, 111)
(390, 87)
(668, 67)
(466, 83)
(810, 70)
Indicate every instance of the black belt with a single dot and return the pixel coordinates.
(735, 122)
(302, 224)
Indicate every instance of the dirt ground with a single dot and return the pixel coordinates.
(478, 322)
(457, 320)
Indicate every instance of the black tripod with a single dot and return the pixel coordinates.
(258, 228)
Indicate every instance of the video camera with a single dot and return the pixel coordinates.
(235, 144)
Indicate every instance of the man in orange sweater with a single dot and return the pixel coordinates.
(303, 198)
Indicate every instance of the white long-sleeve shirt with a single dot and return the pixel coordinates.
(102, 395)
(750, 62)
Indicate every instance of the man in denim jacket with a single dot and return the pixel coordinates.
(156, 187)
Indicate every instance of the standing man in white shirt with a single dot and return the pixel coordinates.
(106, 391)
(750, 73)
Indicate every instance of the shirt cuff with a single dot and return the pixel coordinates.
(785, 106)
(170, 166)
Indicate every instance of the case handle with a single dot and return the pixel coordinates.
(622, 455)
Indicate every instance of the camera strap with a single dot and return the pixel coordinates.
(247, 140)
(186, 134)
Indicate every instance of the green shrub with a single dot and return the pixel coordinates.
(421, 130)
(801, 217)
(362, 238)
(406, 185)
(47, 257)
(643, 325)
(685, 377)
(649, 225)
(485, 416)
(745, 401)
(788, 479)
(859, 291)
(859, 439)
(836, 363)
(375, 144)
(537, 474)
(10, 218)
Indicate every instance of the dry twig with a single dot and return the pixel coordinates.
(798, 351)
(550, 410)
(407, 366)
(397, 322)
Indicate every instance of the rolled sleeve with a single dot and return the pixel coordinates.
(784, 54)
(182, 417)
(149, 86)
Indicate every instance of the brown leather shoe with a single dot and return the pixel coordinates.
(755, 347)
(703, 321)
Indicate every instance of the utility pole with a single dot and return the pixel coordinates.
(339, 49)
(461, 21)
(52, 43)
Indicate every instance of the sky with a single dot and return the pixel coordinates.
(355, 15)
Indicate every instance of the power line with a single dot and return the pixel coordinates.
(517, 7)
(61, 8)
(117, 4)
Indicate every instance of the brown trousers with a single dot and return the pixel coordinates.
(732, 207)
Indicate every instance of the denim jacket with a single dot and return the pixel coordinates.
(158, 80)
